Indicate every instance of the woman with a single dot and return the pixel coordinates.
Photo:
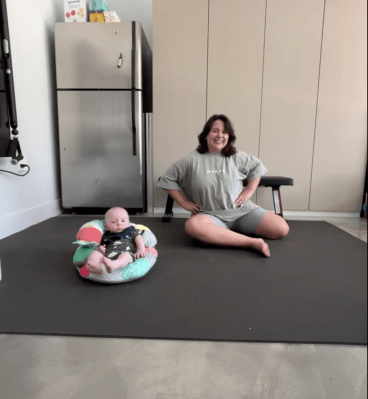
(208, 183)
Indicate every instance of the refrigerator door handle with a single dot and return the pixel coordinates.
(120, 62)
(134, 127)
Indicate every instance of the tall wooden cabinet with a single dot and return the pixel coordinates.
(290, 74)
(180, 33)
(235, 63)
(290, 90)
(340, 150)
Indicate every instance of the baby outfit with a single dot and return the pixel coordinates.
(118, 243)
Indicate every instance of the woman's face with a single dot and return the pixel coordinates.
(217, 138)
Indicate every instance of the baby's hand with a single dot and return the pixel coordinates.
(102, 249)
(140, 254)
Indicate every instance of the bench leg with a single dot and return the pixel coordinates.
(168, 210)
(277, 201)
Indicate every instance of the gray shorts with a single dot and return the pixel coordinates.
(246, 224)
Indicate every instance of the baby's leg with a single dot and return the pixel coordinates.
(94, 261)
(123, 260)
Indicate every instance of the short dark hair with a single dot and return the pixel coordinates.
(229, 149)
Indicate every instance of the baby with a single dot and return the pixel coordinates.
(120, 245)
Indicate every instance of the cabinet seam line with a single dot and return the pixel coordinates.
(208, 46)
(317, 103)
(263, 67)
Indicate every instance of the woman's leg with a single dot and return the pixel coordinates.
(261, 223)
(272, 227)
(203, 228)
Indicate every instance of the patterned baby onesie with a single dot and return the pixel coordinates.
(118, 243)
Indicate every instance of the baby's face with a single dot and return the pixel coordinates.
(117, 221)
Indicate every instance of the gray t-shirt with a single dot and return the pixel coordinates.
(214, 181)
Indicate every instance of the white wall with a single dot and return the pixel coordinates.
(28, 200)
(135, 10)
(25, 201)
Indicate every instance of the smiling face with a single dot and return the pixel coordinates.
(116, 220)
(217, 138)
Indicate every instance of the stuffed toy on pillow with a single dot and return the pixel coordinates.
(89, 240)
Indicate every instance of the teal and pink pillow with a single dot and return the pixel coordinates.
(89, 236)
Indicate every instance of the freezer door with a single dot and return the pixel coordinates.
(98, 168)
(94, 55)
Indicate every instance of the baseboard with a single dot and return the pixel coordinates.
(16, 222)
(180, 211)
(322, 214)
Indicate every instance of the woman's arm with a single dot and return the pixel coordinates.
(247, 192)
(179, 198)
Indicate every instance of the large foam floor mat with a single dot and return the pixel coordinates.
(313, 289)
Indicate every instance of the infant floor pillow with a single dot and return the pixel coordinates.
(89, 237)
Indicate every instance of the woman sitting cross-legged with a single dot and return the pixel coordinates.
(208, 183)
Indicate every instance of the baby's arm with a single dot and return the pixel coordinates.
(102, 247)
(141, 251)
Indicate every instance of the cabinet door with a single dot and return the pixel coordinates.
(180, 31)
(235, 62)
(290, 85)
(341, 135)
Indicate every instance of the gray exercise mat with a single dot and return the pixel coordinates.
(313, 289)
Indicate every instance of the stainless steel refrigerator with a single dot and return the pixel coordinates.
(104, 94)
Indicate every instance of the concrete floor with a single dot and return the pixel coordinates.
(40, 367)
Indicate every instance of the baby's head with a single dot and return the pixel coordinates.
(116, 220)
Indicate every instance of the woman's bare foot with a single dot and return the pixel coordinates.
(261, 246)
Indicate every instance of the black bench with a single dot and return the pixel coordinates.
(275, 182)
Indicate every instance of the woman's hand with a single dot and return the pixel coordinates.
(242, 199)
(191, 207)
(247, 192)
